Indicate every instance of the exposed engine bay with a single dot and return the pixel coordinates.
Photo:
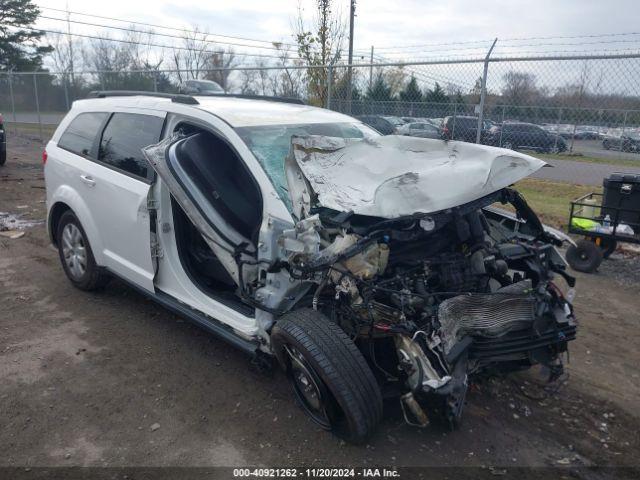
(431, 300)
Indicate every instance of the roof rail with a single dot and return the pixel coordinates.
(258, 97)
(188, 99)
(176, 98)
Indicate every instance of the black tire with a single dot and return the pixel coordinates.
(606, 145)
(92, 277)
(508, 145)
(586, 256)
(3, 157)
(347, 389)
(608, 247)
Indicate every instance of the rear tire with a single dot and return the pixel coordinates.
(585, 257)
(76, 255)
(330, 377)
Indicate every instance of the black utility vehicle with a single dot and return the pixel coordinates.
(516, 135)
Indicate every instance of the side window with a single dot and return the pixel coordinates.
(81, 133)
(123, 139)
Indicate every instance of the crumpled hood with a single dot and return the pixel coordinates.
(394, 176)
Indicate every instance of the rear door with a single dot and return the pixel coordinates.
(117, 186)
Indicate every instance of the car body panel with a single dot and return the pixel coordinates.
(116, 203)
(394, 176)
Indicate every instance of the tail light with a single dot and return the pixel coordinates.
(44, 157)
(445, 131)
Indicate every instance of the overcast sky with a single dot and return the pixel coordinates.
(388, 23)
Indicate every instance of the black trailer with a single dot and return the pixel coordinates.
(604, 219)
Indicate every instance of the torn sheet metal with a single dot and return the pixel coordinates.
(393, 176)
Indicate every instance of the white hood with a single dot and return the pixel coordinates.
(394, 176)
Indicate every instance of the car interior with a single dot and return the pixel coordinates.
(225, 182)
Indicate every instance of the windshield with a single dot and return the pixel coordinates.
(270, 144)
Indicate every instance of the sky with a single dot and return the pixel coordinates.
(390, 26)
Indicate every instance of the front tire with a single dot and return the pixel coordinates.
(76, 255)
(585, 257)
(330, 377)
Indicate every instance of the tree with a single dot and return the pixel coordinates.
(411, 92)
(437, 95)
(519, 88)
(380, 91)
(318, 46)
(221, 62)
(19, 43)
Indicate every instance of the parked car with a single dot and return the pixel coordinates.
(461, 127)
(384, 124)
(525, 136)
(419, 129)
(201, 87)
(3, 142)
(629, 142)
(587, 133)
(299, 234)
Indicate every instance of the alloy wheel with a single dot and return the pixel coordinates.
(74, 251)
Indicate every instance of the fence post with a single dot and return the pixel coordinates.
(13, 102)
(483, 91)
(329, 82)
(66, 91)
(35, 90)
(624, 126)
(155, 81)
(504, 107)
(555, 139)
(453, 124)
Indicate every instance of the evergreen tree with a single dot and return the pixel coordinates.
(19, 46)
(411, 92)
(380, 91)
(437, 95)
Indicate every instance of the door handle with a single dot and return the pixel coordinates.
(88, 180)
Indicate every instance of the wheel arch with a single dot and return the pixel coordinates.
(66, 199)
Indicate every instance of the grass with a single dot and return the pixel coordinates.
(550, 200)
(627, 162)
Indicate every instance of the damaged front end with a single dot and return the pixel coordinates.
(437, 295)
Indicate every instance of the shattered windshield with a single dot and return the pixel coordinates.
(270, 144)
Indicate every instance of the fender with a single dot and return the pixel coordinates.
(70, 197)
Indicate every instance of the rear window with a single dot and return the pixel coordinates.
(82, 132)
(123, 139)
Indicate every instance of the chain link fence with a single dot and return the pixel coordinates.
(583, 105)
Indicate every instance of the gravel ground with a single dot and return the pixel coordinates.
(111, 379)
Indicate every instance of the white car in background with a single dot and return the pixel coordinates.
(366, 265)
(419, 129)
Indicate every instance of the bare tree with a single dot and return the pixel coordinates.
(319, 45)
(248, 78)
(519, 88)
(220, 62)
(191, 61)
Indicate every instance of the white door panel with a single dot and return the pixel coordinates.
(119, 206)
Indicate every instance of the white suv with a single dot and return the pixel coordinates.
(369, 266)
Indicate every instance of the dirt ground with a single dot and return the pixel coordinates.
(111, 379)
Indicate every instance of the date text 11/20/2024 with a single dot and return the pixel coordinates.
(316, 473)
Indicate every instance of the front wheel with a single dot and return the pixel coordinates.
(586, 256)
(330, 378)
(507, 145)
